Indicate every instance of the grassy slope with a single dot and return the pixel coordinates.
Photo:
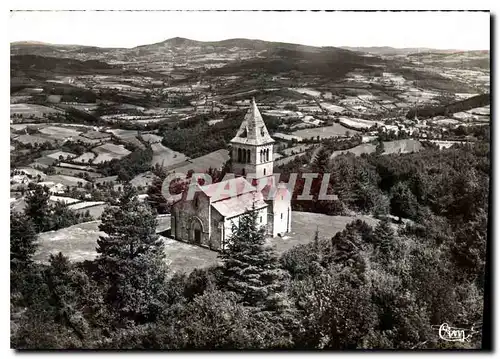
(78, 242)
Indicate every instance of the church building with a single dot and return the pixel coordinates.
(207, 218)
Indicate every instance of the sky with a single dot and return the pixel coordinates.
(439, 30)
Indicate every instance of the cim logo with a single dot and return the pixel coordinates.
(452, 334)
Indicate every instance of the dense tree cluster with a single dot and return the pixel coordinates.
(49, 216)
(451, 108)
(128, 167)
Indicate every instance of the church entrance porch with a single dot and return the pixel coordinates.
(197, 236)
(197, 233)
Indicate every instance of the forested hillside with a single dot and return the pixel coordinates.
(365, 287)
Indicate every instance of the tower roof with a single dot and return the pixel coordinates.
(253, 130)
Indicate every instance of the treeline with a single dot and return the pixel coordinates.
(68, 93)
(328, 62)
(48, 216)
(449, 109)
(406, 185)
(74, 115)
(59, 65)
(128, 167)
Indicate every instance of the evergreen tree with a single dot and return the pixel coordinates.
(384, 240)
(66, 288)
(131, 259)
(347, 246)
(321, 161)
(66, 304)
(155, 196)
(344, 178)
(336, 310)
(251, 268)
(380, 148)
(22, 241)
(403, 202)
(362, 191)
(38, 208)
(304, 260)
(61, 217)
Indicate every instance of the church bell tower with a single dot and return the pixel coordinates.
(252, 147)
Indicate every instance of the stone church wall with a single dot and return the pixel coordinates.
(186, 214)
(216, 240)
(281, 215)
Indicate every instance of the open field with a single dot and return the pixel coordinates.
(357, 151)
(402, 146)
(357, 123)
(66, 180)
(142, 179)
(96, 135)
(446, 144)
(64, 200)
(481, 111)
(151, 138)
(34, 139)
(19, 99)
(332, 108)
(306, 91)
(83, 205)
(324, 132)
(296, 149)
(74, 172)
(108, 179)
(129, 136)
(32, 173)
(59, 133)
(123, 133)
(75, 167)
(164, 156)
(397, 146)
(286, 160)
(214, 159)
(286, 136)
(88, 141)
(304, 225)
(85, 157)
(58, 154)
(108, 152)
(445, 121)
(27, 110)
(78, 242)
(43, 162)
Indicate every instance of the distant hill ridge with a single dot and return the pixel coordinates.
(238, 42)
(387, 50)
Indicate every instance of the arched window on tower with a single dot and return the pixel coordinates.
(239, 154)
(267, 154)
(248, 156)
